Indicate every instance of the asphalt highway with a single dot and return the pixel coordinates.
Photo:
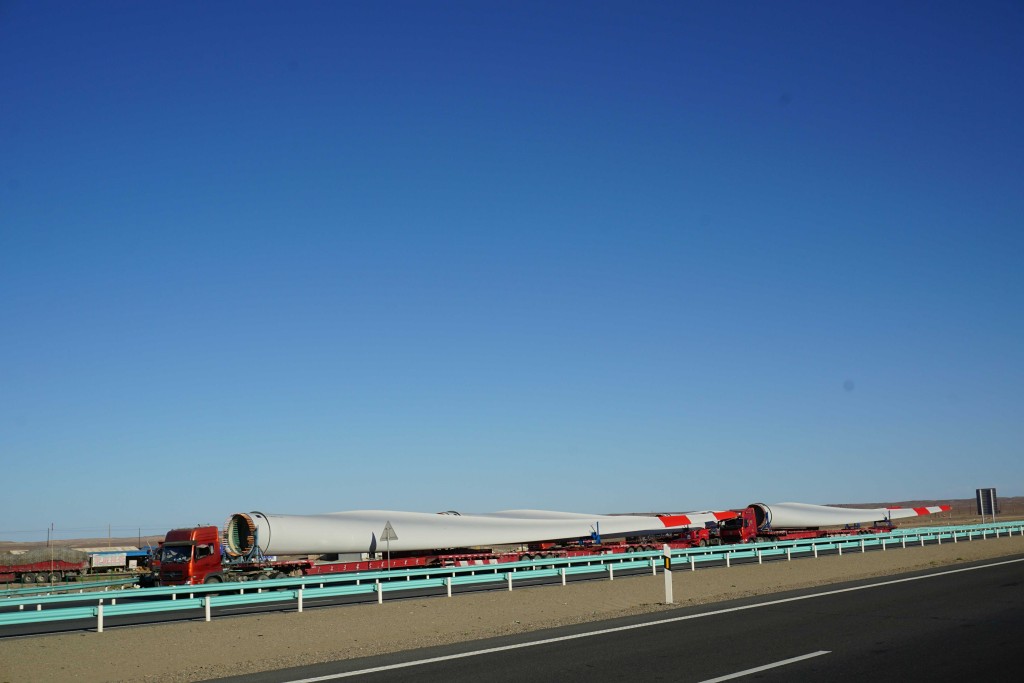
(942, 625)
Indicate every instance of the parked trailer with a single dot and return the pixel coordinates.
(44, 565)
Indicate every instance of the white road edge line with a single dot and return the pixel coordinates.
(773, 665)
(659, 622)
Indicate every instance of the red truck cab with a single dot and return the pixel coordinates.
(191, 556)
(698, 537)
(740, 529)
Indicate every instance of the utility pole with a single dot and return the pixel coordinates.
(48, 534)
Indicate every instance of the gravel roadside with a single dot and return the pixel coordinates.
(197, 651)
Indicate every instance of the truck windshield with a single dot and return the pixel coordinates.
(176, 554)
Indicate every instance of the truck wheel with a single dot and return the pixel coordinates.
(212, 579)
(701, 543)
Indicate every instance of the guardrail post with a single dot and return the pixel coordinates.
(922, 540)
(509, 580)
(693, 563)
(839, 547)
(955, 534)
(759, 556)
(299, 596)
(668, 575)
(206, 605)
(448, 585)
(862, 545)
(904, 540)
(815, 546)
(984, 534)
(380, 593)
(563, 576)
(99, 617)
(654, 567)
(728, 558)
(938, 537)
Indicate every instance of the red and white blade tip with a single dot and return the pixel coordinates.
(930, 510)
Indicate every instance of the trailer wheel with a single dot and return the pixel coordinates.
(28, 578)
(53, 578)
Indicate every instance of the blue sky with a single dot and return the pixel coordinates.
(458, 255)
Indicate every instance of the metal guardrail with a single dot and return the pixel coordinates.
(297, 590)
(79, 586)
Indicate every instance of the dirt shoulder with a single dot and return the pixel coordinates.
(238, 645)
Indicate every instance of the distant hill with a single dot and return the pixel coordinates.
(132, 541)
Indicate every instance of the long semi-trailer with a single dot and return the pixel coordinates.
(195, 556)
(253, 545)
(798, 521)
